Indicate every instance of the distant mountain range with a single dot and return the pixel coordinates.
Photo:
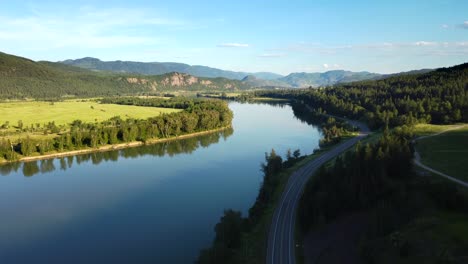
(258, 79)
(303, 79)
(158, 68)
(24, 78)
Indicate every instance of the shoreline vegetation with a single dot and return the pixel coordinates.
(406, 213)
(377, 178)
(243, 238)
(112, 147)
(195, 117)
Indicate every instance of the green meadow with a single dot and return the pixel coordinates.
(447, 152)
(63, 113)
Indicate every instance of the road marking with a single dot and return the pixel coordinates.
(301, 176)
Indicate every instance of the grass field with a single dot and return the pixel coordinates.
(63, 113)
(435, 235)
(447, 152)
(429, 129)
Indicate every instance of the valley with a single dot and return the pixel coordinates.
(234, 132)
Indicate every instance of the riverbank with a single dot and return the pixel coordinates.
(112, 147)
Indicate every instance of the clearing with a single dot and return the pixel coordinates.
(447, 152)
(63, 113)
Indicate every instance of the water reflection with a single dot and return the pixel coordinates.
(169, 148)
(151, 203)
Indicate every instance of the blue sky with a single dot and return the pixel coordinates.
(277, 36)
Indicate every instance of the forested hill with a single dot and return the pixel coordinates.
(439, 96)
(257, 79)
(24, 78)
(157, 68)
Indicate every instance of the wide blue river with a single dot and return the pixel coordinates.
(150, 204)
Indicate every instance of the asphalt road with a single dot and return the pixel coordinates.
(281, 247)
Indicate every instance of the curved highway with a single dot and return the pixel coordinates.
(281, 248)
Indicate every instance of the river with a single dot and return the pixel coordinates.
(149, 204)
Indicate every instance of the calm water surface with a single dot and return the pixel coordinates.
(152, 204)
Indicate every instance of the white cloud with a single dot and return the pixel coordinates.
(383, 49)
(326, 66)
(464, 25)
(425, 43)
(445, 26)
(88, 28)
(233, 45)
(272, 55)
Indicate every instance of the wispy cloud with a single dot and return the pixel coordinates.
(88, 28)
(416, 47)
(334, 66)
(463, 25)
(445, 26)
(272, 55)
(425, 43)
(233, 45)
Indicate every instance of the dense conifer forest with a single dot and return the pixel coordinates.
(374, 178)
(437, 97)
(22, 78)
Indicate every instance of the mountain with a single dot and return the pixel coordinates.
(384, 76)
(262, 79)
(303, 79)
(253, 81)
(24, 78)
(157, 68)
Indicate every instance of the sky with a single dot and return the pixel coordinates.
(274, 36)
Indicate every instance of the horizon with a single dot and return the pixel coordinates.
(281, 38)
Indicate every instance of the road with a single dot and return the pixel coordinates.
(281, 246)
(417, 159)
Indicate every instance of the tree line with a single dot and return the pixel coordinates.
(333, 130)
(378, 182)
(229, 244)
(438, 97)
(200, 115)
(170, 148)
(357, 180)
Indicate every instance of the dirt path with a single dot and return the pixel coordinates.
(417, 158)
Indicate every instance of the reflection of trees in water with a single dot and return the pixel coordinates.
(70, 161)
(170, 148)
(9, 167)
(30, 168)
(47, 165)
(63, 164)
(305, 116)
(279, 104)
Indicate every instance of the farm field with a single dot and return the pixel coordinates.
(63, 113)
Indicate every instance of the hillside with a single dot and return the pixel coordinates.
(257, 79)
(304, 79)
(257, 82)
(438, 97)
(157, 68)
(22, 78)
(383, 76)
